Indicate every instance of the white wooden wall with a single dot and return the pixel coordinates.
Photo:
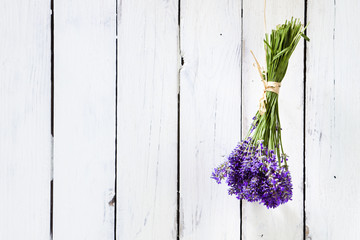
(114, 113)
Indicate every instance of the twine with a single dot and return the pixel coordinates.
(268, 87)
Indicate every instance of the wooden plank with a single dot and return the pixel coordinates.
(25, 137)
(332, 100)
(286, 221)
(84, 154)
(210, 116)
(147, 120)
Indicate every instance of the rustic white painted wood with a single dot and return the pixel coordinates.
(147, 120)
(25, 138)
(286, 221)
(211, 118)
(210, 88)
(84, 167)
(332, 104)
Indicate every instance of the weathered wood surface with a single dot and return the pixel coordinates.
(25, 137)
(286, 221)
(332, 104)
(202, 63)
(147, 120)
(84, 144)
(210, 104)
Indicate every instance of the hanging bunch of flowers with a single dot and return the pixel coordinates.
(257, 169)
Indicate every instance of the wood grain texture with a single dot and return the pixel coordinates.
(147, 120)
(286, 221)
(84, 153)
(332, 103)
(210, 105)
(25, 137)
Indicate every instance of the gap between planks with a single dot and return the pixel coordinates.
(304, 128)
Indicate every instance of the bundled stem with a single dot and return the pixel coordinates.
(279, 48)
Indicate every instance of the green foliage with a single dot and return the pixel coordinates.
(279, 47)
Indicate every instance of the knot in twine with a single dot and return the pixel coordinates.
(268, 87)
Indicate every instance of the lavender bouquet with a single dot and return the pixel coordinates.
(257, 169)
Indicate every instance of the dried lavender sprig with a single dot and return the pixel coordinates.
(257, 168)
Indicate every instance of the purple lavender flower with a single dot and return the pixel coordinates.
(252, 173)
(220, 172)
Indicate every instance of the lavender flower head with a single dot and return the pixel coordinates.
(253, 173)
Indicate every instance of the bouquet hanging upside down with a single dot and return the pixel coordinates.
(257, 169)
